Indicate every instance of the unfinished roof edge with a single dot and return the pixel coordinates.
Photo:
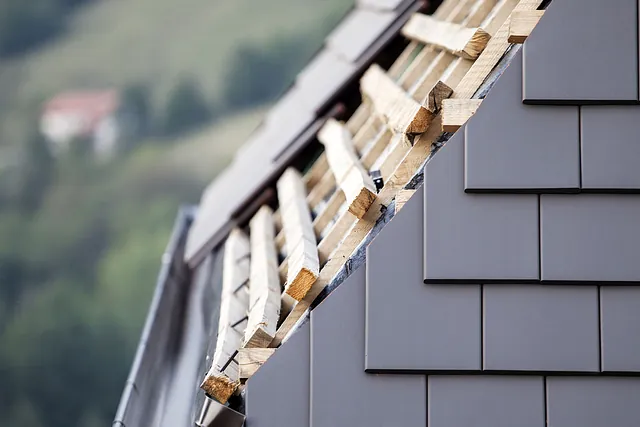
(214, 219)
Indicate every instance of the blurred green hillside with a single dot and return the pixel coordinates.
(81, 240)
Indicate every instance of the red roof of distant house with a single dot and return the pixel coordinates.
(92, 105)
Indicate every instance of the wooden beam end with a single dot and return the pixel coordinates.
(301, 284)
(476, 44)
(360, 204)
(219, 387)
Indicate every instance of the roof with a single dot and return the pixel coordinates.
(351, 47)
(413, 276)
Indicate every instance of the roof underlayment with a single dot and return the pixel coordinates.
(481, 276)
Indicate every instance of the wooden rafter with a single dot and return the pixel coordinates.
(459, 40)
(223, 377)
(303, 265)
(264, 283)
(353, 179)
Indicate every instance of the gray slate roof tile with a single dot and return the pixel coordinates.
(412, 326)
(620, 314)
(325, 74)
(283, 378)
(483, 401)
(342, 394)
(610, 149)
(541, 328)
(528, 148)
(593, 402)
(357, 32)
(475, 237)
(583, 50)
(589, 237)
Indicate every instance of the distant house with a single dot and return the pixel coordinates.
(89, 116)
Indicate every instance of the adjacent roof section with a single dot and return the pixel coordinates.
(348, 49)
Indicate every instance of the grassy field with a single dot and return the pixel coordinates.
(118, 42)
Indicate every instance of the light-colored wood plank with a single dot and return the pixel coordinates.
(457, 39)
(302, 254)
(425, 58)
(397, 108)
(414, 159)
(358, 118)
(403, 197)
(264, 283)
(522, 24)
(251, 359)
(476, 12)
(234, 298)
(401, 112)
(316, 172)
(234, 302)
(223, 377)
(353, 179)
(456, 112)
(492, 54)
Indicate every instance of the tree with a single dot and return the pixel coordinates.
(186, 108)
(260, 73)
(23, 24)
(137, 108)
(36, 173)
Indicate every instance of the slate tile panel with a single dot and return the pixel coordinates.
(541, 328)
(590, 237)
(283, 378)
(358, 31)
(342, 394)
(323, 76)
(529, 148)
(593, 402)
(583, 51)
(610, 148)
(475, 238)
(486, 401)
(412, 326)
(620, 317)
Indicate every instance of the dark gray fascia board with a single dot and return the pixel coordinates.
(172, 268)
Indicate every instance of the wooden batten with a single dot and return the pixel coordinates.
(251, 359)
(351, 176)
(264, 283)
(456, 112)
(302, 253)
(459, 40)
(466, 77)
(397, 108)
(522, 24)
(222, 379)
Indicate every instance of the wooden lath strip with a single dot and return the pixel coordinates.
(457, 39)
(223, 377)
(397, 108)
(264, 283)
(456, 112)
(476, 12)
(353, 179)
(424, 59)
(404, 171)
(522, 24)
(302, 253)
